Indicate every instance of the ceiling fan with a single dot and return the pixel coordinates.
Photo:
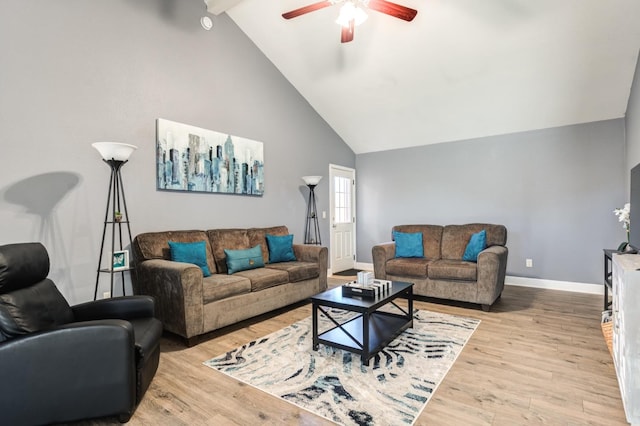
(351, 14)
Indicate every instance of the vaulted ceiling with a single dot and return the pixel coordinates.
(461, 69)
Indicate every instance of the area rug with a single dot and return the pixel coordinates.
(332, 383)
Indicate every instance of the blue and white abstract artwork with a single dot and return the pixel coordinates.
(189, 158)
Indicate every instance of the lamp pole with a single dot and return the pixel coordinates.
(115, 155)
(312, 228)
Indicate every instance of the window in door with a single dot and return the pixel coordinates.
(342, 201)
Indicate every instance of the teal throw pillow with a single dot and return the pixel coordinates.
(280, 248)
(477, 243)
(195, 253)
(241, 260)
(408, 244)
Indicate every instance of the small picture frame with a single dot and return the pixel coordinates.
(120, 260)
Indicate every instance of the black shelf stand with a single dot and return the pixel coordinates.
(312, 228)
(116, 202)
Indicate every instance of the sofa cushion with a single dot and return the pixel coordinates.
(298, 271)
(220, 286)
(280, 248)
(155, 245)
(411, 266)
(258, 236)
(477, 243)
(408, 244)
(431, 237)
(456, 237)
(264, 277)
(232, 239)
(458, 270)
(241, 260)
(195, 253)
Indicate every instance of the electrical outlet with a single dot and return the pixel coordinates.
(106, 295)
(529, 263)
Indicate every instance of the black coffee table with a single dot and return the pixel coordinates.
(365, 334)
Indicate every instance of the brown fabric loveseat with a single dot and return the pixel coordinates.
(442, 273)
(189, 304)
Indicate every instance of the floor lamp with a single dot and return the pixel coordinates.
(116, 155)
(312, 229)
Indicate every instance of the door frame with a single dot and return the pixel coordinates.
(332, 168)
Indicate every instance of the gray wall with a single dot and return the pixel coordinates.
(554, 189)
(75, 72)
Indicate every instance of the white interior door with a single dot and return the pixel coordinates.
(343, 218)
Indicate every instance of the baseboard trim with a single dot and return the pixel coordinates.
(532, 282)
(364, 266)
(555, 285)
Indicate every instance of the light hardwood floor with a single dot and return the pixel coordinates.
(537, 358)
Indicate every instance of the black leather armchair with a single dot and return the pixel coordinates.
(61, 363)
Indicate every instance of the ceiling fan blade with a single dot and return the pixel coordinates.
(306, 9)
(346, 34)
(392, 9)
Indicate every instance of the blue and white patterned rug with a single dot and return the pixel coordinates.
(392, 390)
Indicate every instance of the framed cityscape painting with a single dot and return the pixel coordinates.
(189, 158)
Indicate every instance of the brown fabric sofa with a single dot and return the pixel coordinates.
(189, 304)
(442, 273)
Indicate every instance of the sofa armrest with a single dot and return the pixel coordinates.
(78, 370)
(125, 308)
(307, 253)
(316, 254)
(492, 268)
(381, 254)
(177, 290)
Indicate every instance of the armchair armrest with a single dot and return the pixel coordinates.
(492, 269)
(177, 290)
(125, 308)
(46, 375)
(381, 253)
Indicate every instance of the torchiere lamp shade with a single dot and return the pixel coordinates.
(114, 150)
(311, 180)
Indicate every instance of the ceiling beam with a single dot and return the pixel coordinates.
(217, 7)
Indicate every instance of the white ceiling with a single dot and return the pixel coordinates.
(462, 69)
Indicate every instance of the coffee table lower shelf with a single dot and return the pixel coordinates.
(383, 328)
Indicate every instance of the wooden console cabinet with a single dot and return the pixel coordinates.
(626, 331)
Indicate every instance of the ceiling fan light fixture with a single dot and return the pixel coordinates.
(206, 23)
(349, 12)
